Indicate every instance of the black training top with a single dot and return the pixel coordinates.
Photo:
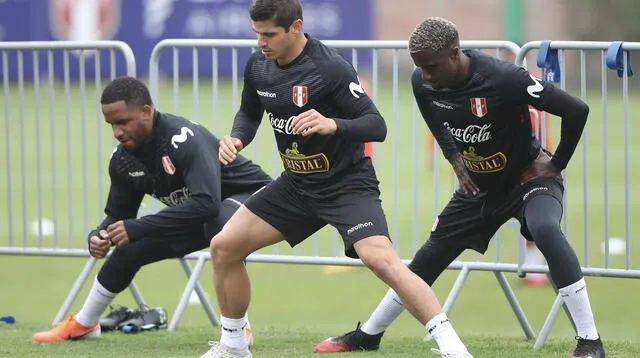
(488, 122)
(319, 78)
(179, 166)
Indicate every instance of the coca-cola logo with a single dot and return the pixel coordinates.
(176, 197)
(281, 125)
(471, 134)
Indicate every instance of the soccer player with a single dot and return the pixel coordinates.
(476, 107)
(175, 161)
(321, 118)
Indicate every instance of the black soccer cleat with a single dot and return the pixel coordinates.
(351, 341)
(114, 318)
(588, 348)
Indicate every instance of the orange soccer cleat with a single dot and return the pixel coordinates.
(69, 329)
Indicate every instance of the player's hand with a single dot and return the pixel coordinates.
(229, 148)
(311, 121)
(99, 247)
(466, 183)
(540, 168)
(118, 233)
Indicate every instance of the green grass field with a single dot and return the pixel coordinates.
(295, 306)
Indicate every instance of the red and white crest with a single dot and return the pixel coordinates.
(83, 20)
(300, 95)
(168, 166)
(479, 107)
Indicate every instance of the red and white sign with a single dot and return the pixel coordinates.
(84, 20)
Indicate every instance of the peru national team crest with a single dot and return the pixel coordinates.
(84, 20)
(479, 107)
(300, 95)
(167, 165)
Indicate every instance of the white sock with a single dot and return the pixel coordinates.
(233, 332)
(442, 331)
(97, 302)
(387, 311)
(577, 300)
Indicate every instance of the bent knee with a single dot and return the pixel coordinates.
(544, 230)
(381, 259)
(224, 250)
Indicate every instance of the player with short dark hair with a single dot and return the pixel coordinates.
(477, 108)
(175, 161)
(321, 118)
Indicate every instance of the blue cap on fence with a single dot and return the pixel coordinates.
(548, 62)
(615, 61)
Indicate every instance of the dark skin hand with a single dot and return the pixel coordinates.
(466, 183)
(99, 246)
(118, 233)
(540, 168)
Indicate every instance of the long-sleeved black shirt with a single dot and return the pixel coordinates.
(488, 122)
(179, 166)
(319, 78)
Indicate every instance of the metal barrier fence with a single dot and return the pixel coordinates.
(37, 161)
(600, 172)
(410, 192)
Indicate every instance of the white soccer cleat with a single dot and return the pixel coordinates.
(219, 350)
(451, 354)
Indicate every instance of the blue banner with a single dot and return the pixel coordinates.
(143, 23)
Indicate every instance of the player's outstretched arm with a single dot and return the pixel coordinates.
(573, 113)
(443, 137)
(358, 119)
(467, 185)
(123, 203)
(526, 89)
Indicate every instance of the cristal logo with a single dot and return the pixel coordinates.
(471, 134)
(284, 126)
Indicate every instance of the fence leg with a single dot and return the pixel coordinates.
(455, 290)
(136, 293)
(515, 305)
(75, 289)
(192, 285)
(548, 323)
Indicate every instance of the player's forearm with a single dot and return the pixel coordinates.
(244, 128)
(444, 139)
(368, 128)
(574, 113)
(108, 220)
(570, 132)
(195, 211)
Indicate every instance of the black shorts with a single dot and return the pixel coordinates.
(471, 222)
(356, 212)
(182, 243)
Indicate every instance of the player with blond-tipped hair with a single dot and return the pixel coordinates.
(476, 106)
